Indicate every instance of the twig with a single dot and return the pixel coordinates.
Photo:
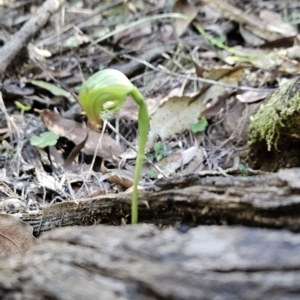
(200, 79)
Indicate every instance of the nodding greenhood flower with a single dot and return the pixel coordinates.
(107, 90)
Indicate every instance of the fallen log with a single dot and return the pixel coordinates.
(143, 262)
(271, 200)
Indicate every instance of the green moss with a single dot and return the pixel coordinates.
(274, 117)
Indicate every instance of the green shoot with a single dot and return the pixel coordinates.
(22, 107)
(200, 126)
(106, 90)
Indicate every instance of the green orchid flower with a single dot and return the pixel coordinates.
(106, 90)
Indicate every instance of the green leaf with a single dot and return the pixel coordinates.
(152, 173)
(53, 89)
(200, 126)
(22, 107)
(45, 139)
(159, 151)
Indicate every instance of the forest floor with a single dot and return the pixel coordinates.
(202, 66)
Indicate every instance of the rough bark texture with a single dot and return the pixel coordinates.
(142, 262)
(267, 201)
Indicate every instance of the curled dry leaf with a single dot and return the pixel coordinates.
(123, 178)
(76, 132)
(15, 235)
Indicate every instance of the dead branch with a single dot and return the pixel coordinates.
(21, 39)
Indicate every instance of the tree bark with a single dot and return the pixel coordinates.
(271, 201)
(143, 262)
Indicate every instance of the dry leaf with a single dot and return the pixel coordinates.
(225, 74)
(170, 164)
(173, 116)
(50, 182)
(15, 235)
(267, 31)
(75, 152)
(76, 132)
(213, 96)
(250, 96)
(196, 163)
(177, 113)
(277, 24)
(250, 37)
(189, 10)
(214, 105)
(129, 111)
(123, 178)
(137, 34)
(291, 53)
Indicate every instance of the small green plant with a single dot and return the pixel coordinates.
(106, 90)
(7, 149)
(22, 107)
(200, 126)
(152, 173)
(159, 151)
(45, 139)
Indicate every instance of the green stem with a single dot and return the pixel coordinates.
(143, 124)
(110, 86)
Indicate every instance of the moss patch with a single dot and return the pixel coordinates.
(274, 117)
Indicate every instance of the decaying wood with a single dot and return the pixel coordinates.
(21, 39)
(142, 262)
(267, 201)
